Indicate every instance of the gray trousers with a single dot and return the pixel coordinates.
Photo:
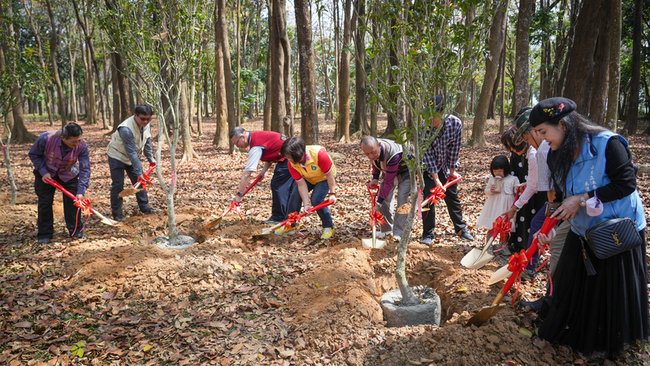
(386, 209)
(557, 243)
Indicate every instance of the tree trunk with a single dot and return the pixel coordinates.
(344, 77)
(221, 102)
(54, 41)
(117, 100)
(521, 89)
(41, 59)
(391, 126)
(268, 91)
(580, 69)
(360, 115)
(222, 34)
(601, 68)
(461, 105)
(73, 87)
(308, 112)
(632, 117)
(277, 59)
(328, 110)
(496, 42)
(91, 100)
(185, 116)
(611, 117)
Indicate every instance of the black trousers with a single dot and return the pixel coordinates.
(453, 206)
(117, 185)
(45, 194)
(282, 185)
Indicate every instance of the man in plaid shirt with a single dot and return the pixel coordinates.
(441, 161)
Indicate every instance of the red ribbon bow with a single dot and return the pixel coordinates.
(501, 228)
(517, 264)
(436, 195)
(376, 217)
(292, 219)
(84, 205)
(144, 181)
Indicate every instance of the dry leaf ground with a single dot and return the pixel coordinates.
(236, 298)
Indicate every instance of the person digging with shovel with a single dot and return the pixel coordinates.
(62, 156)
(313, 169)
(132, 138)
(265, 146)
(386, 159)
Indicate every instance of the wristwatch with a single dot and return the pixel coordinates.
(583, 203)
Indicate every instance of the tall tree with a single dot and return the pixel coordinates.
(632, 117)
(360, 120)
(308, 112)
(280, 61)
(611, 117)
(54, 42)
(71, 40)
(580, 69)
(598, 99)
(221, 101)
(521, 90)
(344, 76)
(495, 44)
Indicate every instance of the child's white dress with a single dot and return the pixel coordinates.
(498, 203)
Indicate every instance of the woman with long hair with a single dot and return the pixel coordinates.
(593, 167)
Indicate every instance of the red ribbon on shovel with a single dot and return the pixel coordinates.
(437, 192)
(375, 216)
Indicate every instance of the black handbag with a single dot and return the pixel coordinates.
(610, 238)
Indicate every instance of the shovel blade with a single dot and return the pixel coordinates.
(474, 260)
(367, 243)
(501, 274)
(212, 223)
(109, 222)
(129, 192)
(485, 314)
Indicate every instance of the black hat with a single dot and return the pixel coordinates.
(523, 126)
(436, 104)
(551, 110)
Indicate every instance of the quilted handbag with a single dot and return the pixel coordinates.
(612, 237)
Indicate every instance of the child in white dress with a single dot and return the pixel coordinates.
(500, 191)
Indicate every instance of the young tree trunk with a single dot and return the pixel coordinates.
(309, 112)
(461, 106)
(632, 118)
(277, 59)
(328, 110)
(496, 42)
(91, 100)
(580, 70)
(344, 77)
(611, 117)
(521, 90)
(268, 91)
(54, 41)
(117, 100)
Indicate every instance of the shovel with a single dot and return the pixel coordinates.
(373, 243)
(476, 258)
(136, 187)
(298, 217)
(503, 272)
(489, 311)
(105, 220)
(233, 204)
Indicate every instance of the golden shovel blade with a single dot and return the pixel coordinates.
(485, 314)
(367, 243)
(129, 191)
(475, 259)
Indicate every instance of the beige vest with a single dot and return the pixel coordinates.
(116, 146)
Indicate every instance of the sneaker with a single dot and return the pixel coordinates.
(535, 306)
(284, 230)
(44, 240)
(120, 218)
(381, 234)
(397, 237)
(271, 222)
(150, 211)
(80, 235)
(327, 233)
(427, 241)
(528, 275)
(466, 235)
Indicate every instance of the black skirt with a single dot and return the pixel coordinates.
(599, 313)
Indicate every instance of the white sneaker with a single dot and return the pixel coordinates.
(382, 234)
(397, 237)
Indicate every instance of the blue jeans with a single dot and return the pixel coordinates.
(535, 225)
(282, 186)
(318, 196)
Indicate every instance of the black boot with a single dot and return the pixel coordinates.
(533, 305)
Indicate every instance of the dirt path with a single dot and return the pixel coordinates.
(237, 299)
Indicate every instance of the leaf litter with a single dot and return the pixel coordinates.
(237, 299)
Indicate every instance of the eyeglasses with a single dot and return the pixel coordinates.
(144, 119)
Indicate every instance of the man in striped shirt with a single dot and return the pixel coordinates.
(441, 161)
